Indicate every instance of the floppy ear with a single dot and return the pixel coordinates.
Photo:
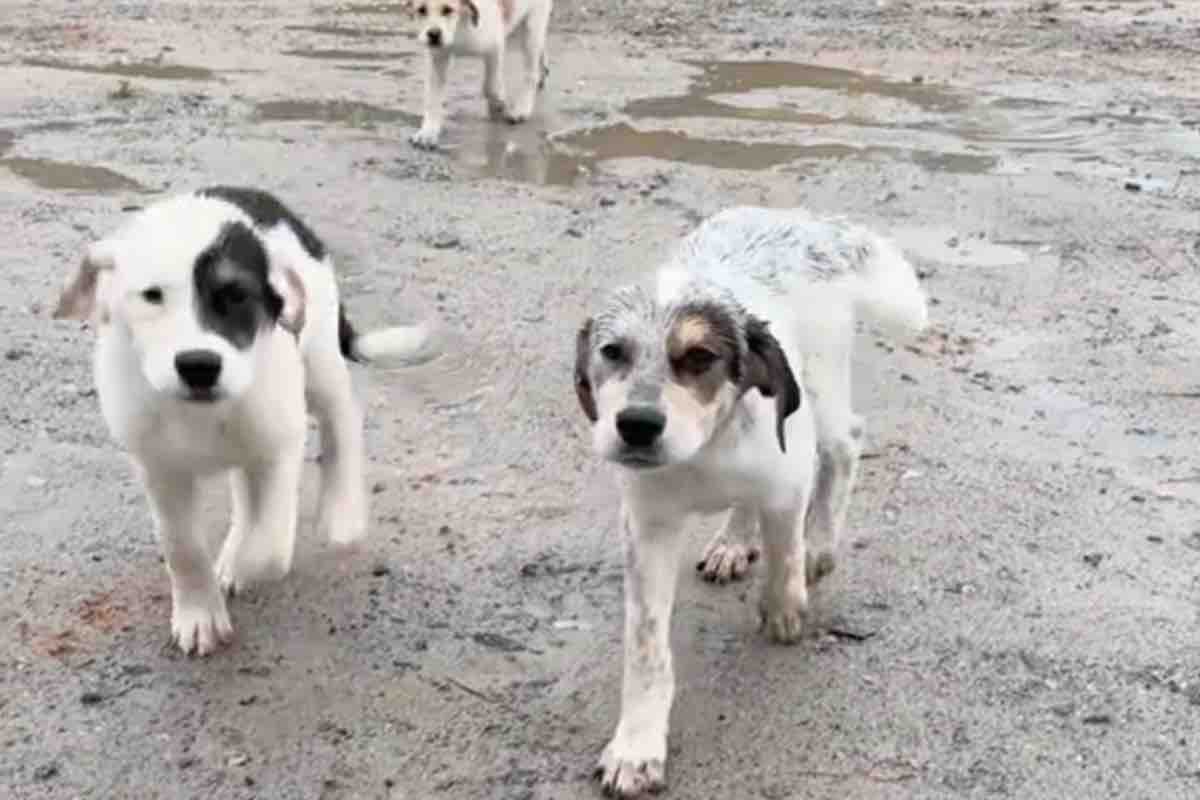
(472, 11)
(583, 386)
(78, 299)
(287, 284)
(767, 369)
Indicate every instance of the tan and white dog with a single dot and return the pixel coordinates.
(480, 28)
(725, 385)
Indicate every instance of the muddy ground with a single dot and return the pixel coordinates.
(1017, 613)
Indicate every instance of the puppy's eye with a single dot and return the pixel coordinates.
(613, 352)
(697, 361)
(232, 295)
(447, 11)
(153, 296)
(422, 10)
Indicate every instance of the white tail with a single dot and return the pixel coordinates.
(888, 292)
(387, 345)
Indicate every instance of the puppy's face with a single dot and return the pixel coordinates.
(658, 380)
(192, 294)
(438, 20)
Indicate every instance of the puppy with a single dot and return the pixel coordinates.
(726, 385)
(480, 28)
(218, 322)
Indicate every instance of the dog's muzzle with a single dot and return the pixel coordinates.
(640, 428)
(199, 370)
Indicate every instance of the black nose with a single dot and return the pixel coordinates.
(199, 369)
(434, 36)
(640, 426)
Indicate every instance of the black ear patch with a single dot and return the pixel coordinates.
(234, 296)
(583, 384)
(473, 10)
(767, 370)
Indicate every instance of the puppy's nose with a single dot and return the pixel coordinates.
(434, 37)
(640, 426)
(199, 369)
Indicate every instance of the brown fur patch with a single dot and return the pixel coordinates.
(694, 331)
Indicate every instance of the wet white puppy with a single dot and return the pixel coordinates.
(726, 385)
(218, 315)
(481, 28)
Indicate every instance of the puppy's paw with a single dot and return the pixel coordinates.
(250, 565)
(723, 562)
(425, 139)
(344, 521)
(200, 622)
(818, 565)
(628, 770)
(516, 116)
(783, 615)
(497, 109)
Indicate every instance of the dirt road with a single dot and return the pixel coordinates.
(1017, 615)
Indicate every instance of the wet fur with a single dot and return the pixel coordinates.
(770, 436)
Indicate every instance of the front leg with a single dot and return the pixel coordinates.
(199, 618)
(784, 604)
(634, 760)
(493, 83)
(437, 67)
(262, 539)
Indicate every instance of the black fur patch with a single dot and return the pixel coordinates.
(267, 211)
(346, 335)
(234, 297)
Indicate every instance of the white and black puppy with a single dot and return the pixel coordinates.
(481, 28)
(726, 385)
(218, 323)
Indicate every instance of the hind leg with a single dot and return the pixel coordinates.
(837, 471)
(342, 514)
(533, 51)
(839, 436)
(728, 555)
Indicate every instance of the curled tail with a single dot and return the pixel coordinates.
(888, 292)
(383, 346)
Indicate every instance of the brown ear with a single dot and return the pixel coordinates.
(286, 282)
(473, 11)
(583, 385)
(78, 299)
(767, 369)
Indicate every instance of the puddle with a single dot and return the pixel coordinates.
(343, 31)
(744, 77)
(166, 72)
(349, 55)
(945, 246)
(342, 112)
(375, 8)
(69, 177)
(817, 114)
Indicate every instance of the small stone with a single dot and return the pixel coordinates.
(238, 760)
(1100, 718)
(91, 698)
(45, 772)
(379, 488)
(607, 202)
(1093, 559)
(380, 570)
